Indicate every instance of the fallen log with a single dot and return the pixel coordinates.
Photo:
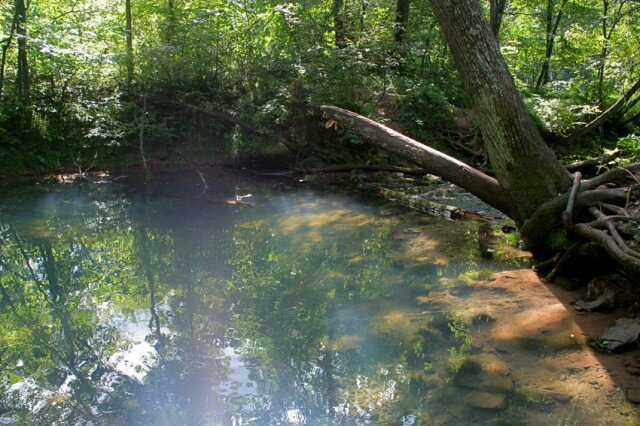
(426, 206)
(366, 168)
(593, 163)
(614, 191)
(596, 122)
(434, 162)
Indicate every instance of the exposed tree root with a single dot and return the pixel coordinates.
(562, 260)
(605, 209)
(567, 216)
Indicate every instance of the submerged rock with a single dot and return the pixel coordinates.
(487, 400)
(486, 373)
(622, 332)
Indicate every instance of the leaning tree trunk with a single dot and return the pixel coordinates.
(526, 168)
(434, 162)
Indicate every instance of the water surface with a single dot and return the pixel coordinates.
(313, 306)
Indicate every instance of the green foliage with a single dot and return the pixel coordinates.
(424, 108)
(459, 351)
(630, 148)
(243, 58)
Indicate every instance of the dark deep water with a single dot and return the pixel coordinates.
(315, 306)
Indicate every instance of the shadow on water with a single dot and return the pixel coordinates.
(310, 307)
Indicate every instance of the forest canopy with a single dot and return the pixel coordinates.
(226, 81)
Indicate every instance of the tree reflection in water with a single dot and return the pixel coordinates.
(122, 309)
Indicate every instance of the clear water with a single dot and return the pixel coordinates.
(313, 306)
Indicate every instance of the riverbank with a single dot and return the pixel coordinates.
(532, 315)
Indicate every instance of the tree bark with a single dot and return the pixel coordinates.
(496, 11)
(528, 171)
(23, 76)
(402, 19)
(551, 32)
(434, 162)
(129, 42)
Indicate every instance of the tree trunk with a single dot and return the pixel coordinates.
(550, 37)
(338, 24)
(129, 43)
(5, 47)
(402, 19)
(496, 11)
(527, 169)
(603, 53)
(611, 17)
(23, 77)
(170, 23)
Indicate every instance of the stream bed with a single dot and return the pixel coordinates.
(298, 304)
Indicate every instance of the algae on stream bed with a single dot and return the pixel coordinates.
(316, 306)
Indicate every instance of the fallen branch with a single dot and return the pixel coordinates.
(418, 203)
(595, 123)
(593, 163)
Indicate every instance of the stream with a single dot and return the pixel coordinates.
(299, 304)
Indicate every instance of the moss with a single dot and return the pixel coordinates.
(557, 240)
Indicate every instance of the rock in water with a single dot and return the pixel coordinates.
(622, 332)
(488, 400)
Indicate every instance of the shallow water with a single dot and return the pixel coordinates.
(313, 306)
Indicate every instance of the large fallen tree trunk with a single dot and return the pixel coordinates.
(432, 161)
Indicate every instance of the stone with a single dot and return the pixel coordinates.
(604, 302)
(622, 332)
(554, 394)
(486, 373)
(633, 395)
(487, 400)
